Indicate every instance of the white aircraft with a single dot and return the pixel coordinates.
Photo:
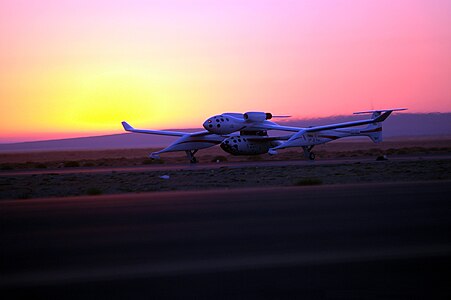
(191, 142)
(253, 138)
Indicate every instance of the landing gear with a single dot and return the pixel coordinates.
(190, 154)
(308, 154)
(312, 156)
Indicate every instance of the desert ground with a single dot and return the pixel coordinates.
(345, 226)
(74, 173)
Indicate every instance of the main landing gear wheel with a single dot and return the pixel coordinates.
(190, 154)
(312, 156)
(308, 154)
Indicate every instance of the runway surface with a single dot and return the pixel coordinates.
(202, 166)
(371, 241)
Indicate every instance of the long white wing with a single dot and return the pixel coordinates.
(129, 128)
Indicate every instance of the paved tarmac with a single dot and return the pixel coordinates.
(202, 166)
(367, 241)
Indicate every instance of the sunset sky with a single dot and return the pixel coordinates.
(78, 68)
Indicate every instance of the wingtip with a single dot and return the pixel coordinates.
(154, 155)
(126, 126)
(272, 151)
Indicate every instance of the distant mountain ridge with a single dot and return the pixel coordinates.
(402, 124)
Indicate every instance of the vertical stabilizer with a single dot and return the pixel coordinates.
(374, 130)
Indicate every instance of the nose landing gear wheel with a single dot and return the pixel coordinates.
(312, 156)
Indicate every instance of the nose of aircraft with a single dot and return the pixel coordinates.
(227, 147)
(208, 124)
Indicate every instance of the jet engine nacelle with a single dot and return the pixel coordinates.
(255, 116)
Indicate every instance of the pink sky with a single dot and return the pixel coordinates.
(74, 68)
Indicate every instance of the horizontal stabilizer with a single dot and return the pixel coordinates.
(378, 110)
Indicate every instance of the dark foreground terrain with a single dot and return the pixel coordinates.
(365, 241)
(37, 183)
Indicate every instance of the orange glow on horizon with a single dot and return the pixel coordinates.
(78, 68)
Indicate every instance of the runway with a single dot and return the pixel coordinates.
(372, 241)
(212, 166)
